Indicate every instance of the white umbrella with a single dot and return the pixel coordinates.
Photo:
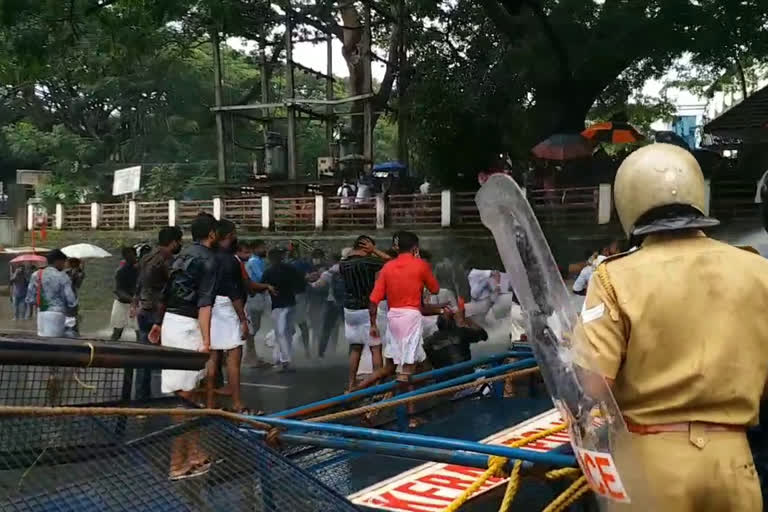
(83, 251)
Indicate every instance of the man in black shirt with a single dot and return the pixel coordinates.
(287, 281)
(154, 272)
(229, 326)
(186, 324)
(126, 276)
(451, 343)
(359, 272)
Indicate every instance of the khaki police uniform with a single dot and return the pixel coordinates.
(680, 326)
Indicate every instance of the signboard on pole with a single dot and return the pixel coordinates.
(127, 181)
(32, 177)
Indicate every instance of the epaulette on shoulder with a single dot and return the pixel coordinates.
(624, 254)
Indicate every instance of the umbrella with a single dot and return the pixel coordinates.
(30, 258)
(563, 146)
(614, 132)
(83, 251)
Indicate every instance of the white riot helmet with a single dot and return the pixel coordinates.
(660, 175)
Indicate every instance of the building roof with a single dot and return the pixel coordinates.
(747, 120)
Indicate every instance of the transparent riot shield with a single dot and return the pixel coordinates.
(598, 432)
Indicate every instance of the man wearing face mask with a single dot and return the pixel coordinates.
(148, 298)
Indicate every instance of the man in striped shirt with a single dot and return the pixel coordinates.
(359, 272)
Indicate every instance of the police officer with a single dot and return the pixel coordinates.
(677, 327)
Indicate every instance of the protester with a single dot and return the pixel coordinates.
(187, 324)
(51, 290)
(580, 285)
(287, 281)
(19, 285)
(450, 344)
(402, 282)
(359, 272)
(154, 273)
(229, 326)
(332, 284)
(126, 278)
(302, 303)
(257, 302)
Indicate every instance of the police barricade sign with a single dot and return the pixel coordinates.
(601, 474)
(433, 486)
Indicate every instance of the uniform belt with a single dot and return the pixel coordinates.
(683, 426)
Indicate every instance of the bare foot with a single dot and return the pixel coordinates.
(224, 391)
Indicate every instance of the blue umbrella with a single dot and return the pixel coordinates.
(390, 166)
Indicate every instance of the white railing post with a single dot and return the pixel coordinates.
(708, 196)
(95, 215)
(133, 214)
(446, 204)
(173, 212)
(59, 221)
(380, 211)
(266, 212)
(218, 208)
(30, 217)
(319, 212)
(604, 205)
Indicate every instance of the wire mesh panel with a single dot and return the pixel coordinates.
(50, 385)
(114, 216)
(152, 214)
(294, 213)
(245, 212)
(130, 468)
(350, 213)
(76, 216)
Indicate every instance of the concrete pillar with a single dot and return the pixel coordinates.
(446, 202)
(380, 211)
(319, 212)
(133, 214)
(604, 205)
(59, 222)
(708, 196)
(30, 217)
(173, 212)
(95, 215)
(218, 208)
(266, 212)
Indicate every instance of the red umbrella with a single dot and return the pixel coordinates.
(614, 132)
(563, 146)
(30, 258)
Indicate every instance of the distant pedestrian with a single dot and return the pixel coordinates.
(126, 277)
(347, 193)
(50, 289)
(287, 281)
(154, 274)
(19, 285)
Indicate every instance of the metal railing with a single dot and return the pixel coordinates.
(188, 210)
(565, 206)
(734, 200)
(77, 217)
(114, 216)
(245, 212)
(349, 213)
(294, 213)
(152, 214)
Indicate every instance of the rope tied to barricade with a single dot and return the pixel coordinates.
(496, 467)
(82, 384)
(569, 496)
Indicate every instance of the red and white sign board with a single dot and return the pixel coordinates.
(433, 486)
(602, 475)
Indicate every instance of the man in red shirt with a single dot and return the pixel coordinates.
(401, 282)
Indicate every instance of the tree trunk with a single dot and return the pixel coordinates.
(355, 47)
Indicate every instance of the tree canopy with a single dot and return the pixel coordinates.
(87, 85)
